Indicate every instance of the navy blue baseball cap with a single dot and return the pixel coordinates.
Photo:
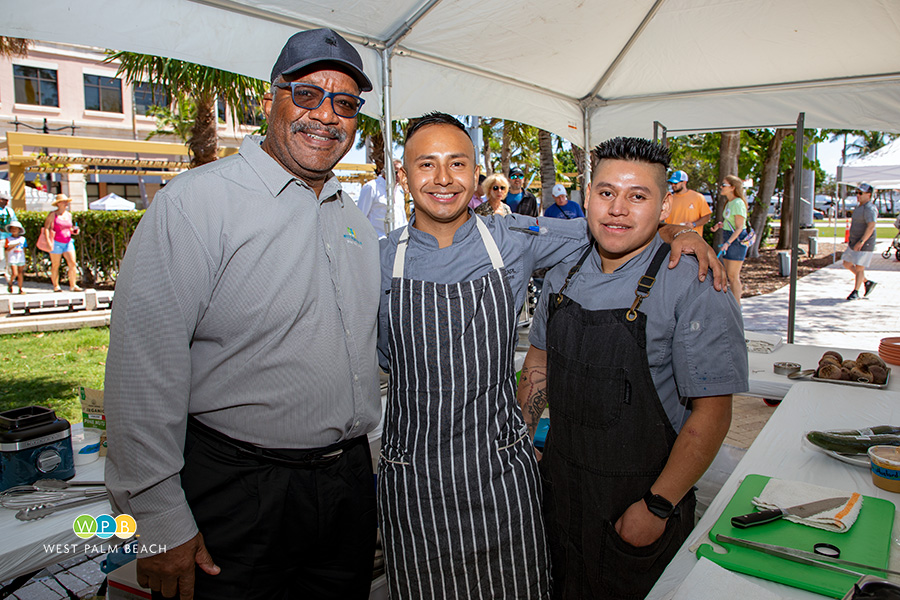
(320, 46)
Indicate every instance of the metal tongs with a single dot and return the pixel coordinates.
(39, 511)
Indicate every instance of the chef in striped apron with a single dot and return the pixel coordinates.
(458, 488)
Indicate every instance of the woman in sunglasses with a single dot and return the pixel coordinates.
(496, 187)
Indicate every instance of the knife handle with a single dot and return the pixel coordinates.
(756, 518)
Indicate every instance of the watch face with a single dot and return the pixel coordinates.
(659, 506)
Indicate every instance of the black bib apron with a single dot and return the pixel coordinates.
(608, 442)
(458, 487)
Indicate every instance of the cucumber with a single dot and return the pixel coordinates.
(855, 441)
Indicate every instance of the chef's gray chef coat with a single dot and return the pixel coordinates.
(467, 259)
(695, 335)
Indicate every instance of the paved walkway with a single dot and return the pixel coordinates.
(824, 317)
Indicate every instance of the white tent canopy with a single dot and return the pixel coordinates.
(111, 202)
(880, 169)
(609, 66)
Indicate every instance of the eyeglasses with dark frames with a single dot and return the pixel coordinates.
(311, 97)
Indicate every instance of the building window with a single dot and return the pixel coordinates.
(220, 109)
(102, 93)
(35, 86)
(251, 113)
(147, 95)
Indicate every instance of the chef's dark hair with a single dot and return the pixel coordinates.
(433, 118)
(629, 148)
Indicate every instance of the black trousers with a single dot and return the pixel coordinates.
(281, 524)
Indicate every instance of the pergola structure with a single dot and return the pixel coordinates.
(172, 162)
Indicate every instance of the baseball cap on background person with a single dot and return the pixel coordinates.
(320, 46)
(558, 190)
(516, 171)
(864, 188)
(678, 177)
(4, 195)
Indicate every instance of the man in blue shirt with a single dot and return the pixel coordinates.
(520, 200)
(563, 209)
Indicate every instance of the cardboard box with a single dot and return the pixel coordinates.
(92, 413)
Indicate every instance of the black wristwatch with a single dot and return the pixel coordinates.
(658, 505)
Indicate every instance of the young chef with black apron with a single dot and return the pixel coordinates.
(628, 354)
(458, 488)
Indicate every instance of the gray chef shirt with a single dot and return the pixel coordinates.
(695, 335)
(245, 300)
(466, 258)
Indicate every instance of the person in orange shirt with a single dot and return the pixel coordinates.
(688, 207)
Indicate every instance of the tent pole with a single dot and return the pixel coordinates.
(795, 225)
(387, 134)
(586, 115)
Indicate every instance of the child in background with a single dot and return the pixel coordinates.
(14, 247)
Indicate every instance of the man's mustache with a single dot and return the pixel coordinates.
(333, 132)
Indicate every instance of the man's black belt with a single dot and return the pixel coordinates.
(307, 458)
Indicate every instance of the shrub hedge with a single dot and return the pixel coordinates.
(99, 247)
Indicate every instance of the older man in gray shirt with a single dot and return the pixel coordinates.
(241, 379)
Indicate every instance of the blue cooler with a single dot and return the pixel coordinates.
(34, 444)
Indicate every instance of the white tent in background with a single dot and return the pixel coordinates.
(111, 202)
(880, 169)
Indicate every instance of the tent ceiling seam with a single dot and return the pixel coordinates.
(626, 48)
(408, 24)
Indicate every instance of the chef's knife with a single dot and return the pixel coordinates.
(801, 510)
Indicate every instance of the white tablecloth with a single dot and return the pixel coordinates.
(781, 451)
(765, 383)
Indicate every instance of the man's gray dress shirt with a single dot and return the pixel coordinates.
(250, 303)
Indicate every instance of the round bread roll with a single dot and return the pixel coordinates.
(836, 355)
(869, 358)
(829, 359)
(845, 374)
(848, 364)
(879, 375)
(861, 374)
(829, 371)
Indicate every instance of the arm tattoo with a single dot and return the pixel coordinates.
(533, 395)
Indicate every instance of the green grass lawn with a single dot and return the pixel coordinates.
(46, 369)
(881, 233)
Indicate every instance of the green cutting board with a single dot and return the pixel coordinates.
(868, 542)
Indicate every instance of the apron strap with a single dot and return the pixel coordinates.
(400, 257)
(557, 300)
(489, 244)
(647, 280)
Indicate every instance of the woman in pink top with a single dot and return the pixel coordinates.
(60, 230)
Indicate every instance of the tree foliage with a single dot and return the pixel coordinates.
(205, 85)
(14, 47)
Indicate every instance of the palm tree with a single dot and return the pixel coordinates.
(866, 143)
(204, 84)
(12, 46)
(548, 167)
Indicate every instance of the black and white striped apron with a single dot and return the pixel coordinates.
(458, 487)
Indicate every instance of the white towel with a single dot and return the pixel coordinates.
(779, 493)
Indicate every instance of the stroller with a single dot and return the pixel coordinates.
(895, 244)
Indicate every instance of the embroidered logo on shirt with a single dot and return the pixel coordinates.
(350, 236)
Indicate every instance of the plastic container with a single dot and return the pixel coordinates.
(885, 462)
(86, 446)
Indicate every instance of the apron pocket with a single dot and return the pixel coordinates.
(629, 572)
(577, 396)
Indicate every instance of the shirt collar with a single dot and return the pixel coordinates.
(429, 240)
(275, 177)
(641, 261)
